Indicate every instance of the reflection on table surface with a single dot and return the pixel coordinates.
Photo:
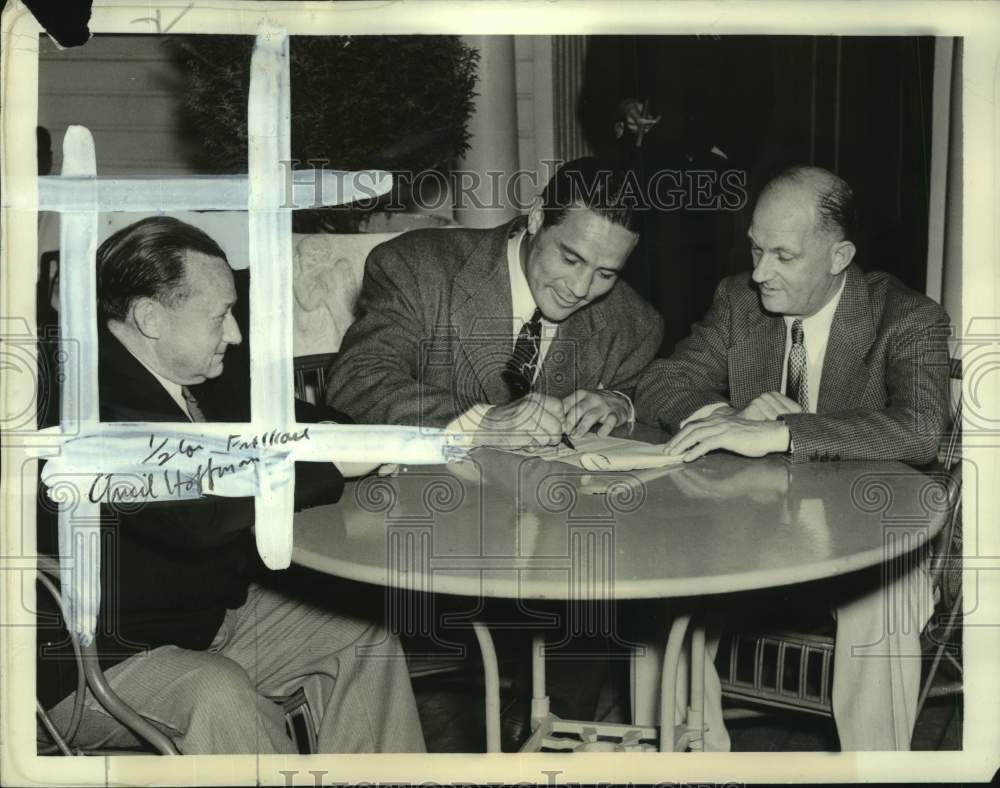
(503, 525)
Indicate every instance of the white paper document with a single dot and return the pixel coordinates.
(594, 453)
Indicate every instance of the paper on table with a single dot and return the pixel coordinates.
(632, 458)
(594, 453)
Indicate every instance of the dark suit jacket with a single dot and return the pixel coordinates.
(433, 333)
(169, 570)
(884, 389)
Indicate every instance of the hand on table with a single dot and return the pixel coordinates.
(584, 408)
(768, 406)
(749, 437)
(534, 420)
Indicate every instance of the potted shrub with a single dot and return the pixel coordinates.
(397, 103)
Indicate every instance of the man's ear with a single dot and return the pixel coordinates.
(146, 314)
(535, 216)
(841, 255)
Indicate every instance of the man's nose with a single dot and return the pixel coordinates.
(231, 331)
(762, 269)
(580, 284)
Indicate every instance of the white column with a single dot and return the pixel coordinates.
(951, 284)
(480, 198)
(940, 144)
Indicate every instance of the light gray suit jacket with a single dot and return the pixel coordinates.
(884, 388)
(433, 333)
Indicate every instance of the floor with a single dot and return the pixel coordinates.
(451, 710)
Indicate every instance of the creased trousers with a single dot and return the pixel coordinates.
(879, 614)
(217, 701)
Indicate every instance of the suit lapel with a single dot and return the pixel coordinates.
(481, 312)
(562, 371)
(851, 336)
(759, 355)
(127, 390)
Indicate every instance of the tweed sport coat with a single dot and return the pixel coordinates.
(433, 333)
(884, 389)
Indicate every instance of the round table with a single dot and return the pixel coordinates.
(504, 525)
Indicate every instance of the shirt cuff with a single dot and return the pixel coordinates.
(703, 412)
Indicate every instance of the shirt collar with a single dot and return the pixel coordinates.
(819, 323)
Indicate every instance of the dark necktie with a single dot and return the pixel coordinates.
(519, 373)
(194, 410)
(797, 385)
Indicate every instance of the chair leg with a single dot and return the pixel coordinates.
(938, 654)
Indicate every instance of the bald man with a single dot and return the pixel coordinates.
(811, 357)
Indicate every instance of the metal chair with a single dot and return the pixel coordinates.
(298, 719)
(90, 676)
(942, 637)
(793, 670)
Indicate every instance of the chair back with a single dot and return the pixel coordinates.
(946, 566)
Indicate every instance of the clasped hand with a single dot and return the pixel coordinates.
(753, 431)
(542, 420)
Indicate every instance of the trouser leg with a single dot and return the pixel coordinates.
(877, 658)
(647, 668)
(204, 701)
(352, 670)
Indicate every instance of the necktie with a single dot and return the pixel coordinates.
(194, 410)
(519, 373)
(797, 385)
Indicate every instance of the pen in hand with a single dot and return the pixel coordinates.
(565, 441)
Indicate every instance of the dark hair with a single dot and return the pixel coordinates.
(836, 207)
(146, 260)
(595, 183)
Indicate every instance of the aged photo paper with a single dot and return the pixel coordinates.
(60, 204)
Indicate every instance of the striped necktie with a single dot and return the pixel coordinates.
(194, 410)
(519, 373)
(797, 384)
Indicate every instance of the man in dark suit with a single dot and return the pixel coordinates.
(516, 334)
(187, 635)
(811, 357)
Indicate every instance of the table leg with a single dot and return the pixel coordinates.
(645, 672)
(668, 680)
(539, 699)
(491, 675)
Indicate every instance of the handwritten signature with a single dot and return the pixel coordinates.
(171, 483)
(178, 483)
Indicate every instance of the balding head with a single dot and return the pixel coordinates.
(829, 196)
(800, 240)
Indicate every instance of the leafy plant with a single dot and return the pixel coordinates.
(398, 103)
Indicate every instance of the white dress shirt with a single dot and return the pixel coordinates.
(173, 389)
(523, 304)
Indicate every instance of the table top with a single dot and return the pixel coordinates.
(503, 525)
